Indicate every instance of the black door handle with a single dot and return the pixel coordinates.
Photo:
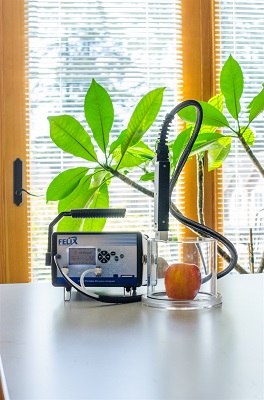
(18, 184)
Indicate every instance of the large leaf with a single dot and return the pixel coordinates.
(118, 141)
(211, 115)
(232, 85)
(64, 183)
(179, 144)
(68, 224)
(79, 198)
(134, 156)
(69, 135)
(148, 176)
(100, 200)
(100, 175)
(99, 113)
(256, 106)
(142, 118)
(84, 196)
(203, 129)
(205, 141)
(248, 135)
(217, 101)
(218, 153)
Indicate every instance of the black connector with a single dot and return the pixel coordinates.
(162, 152)
(162, 184)
(161, 197)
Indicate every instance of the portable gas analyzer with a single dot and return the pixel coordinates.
(98, 259)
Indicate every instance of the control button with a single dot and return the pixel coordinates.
(122, 256)
(116, 258)
(113, 253)
(104, 256)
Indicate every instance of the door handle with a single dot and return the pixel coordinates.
(18, 182)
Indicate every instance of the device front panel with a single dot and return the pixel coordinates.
(119, 256)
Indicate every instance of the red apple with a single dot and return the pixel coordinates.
(182, 281)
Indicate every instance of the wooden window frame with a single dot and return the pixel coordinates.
(199, 83)
(14, 245)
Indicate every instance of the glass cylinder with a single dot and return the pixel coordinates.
(182, 274)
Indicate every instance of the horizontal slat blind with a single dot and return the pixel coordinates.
(240, 33)
(129, 48)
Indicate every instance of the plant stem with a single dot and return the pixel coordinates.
(128, 181)
(227, 258)
(251, 154)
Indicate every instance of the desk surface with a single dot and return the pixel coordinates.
(90, 350)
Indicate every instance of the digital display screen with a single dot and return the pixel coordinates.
(82, 256)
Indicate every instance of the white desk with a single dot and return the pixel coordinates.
(89, 350)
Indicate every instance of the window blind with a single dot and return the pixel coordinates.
(129, 48)
(240, 33)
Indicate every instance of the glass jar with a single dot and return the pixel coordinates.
(182, 274)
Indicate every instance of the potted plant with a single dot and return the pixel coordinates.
(87, 185)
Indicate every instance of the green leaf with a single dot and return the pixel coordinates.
(179, 144)
(203, 129)
(100, 200)
(68, 224)
(143, 150)
(218, 153)
(64, 183)
(117, 142)
(99, 113)
(256, 106)
(69, 135)
(211, 115)
(147, 177)
(232, 86)
(205, 141)
(142, 118)
(99, 176)
(134, 156)
(79, 198)
(248, 135)
(84, 196)
(217, 102)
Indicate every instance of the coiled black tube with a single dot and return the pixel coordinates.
(197, 227)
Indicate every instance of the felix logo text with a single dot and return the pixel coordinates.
(68, 242)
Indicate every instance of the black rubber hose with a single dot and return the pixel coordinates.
(196, 226)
